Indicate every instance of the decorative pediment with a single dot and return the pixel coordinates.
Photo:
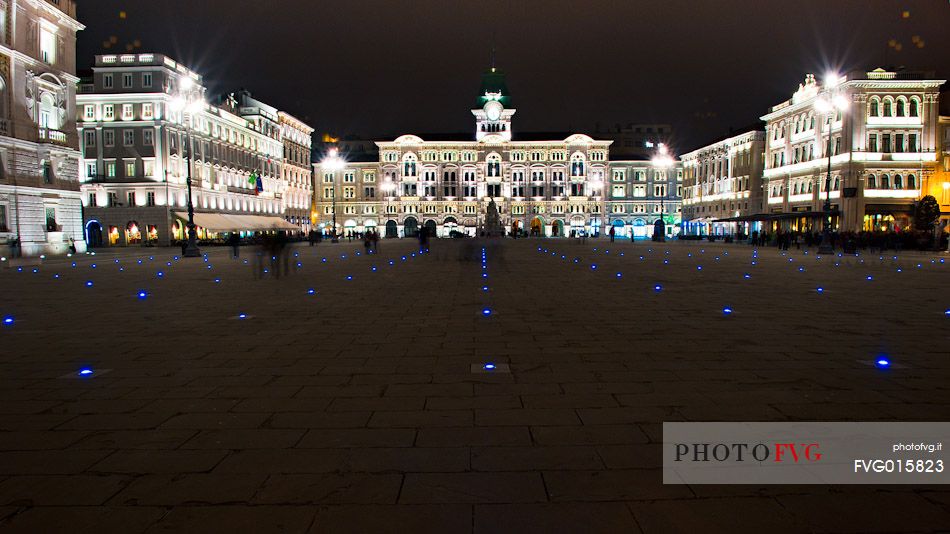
(408, 140)
(579, 139)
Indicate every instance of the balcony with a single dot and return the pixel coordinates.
(53, 136)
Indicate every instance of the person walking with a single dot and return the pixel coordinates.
(613, 232)
(235, 241)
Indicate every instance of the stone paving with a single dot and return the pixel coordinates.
(363, 405)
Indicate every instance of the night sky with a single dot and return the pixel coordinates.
(384, 67)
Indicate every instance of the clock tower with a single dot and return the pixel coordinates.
(493, 110)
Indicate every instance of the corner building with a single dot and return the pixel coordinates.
(137, 153)
(544, 185)
(883, 147)
(39, 162)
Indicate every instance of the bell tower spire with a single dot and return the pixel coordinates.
(493, 109)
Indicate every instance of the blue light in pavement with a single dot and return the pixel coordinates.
(869, 277)
(93, 265)
(311, 291)
(373, 268)
(747, 276)
(727, 310)
(593, 267)
(486, 312)
(391, 262)
(142, 295)
(242, 316)
(117, 261)
(658, 288)
(485, 288)
(820, 290)
(151, 258)
(217, 280)
(139, 262)
(619, 275)
(168, 264)
(88, 283)
(801, 269)
(699, 267)
(85, 372)
(349, 277)
(484, 275)
(489, 366)
(882, 362)
(947, 313)
(8, 320)
(323, 261)
(175, 258)
(666, 262)
(577, 260)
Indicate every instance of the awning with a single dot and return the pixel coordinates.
(776, 216)
(226, 222)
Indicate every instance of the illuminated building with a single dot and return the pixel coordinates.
(552, 185)
(136, 145)
(39, 165)
(883, 146)
(296, 169)
(723, 180)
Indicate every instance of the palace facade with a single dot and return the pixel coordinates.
(550, 185)
(883, 146)
(145, 127)
(40, 205)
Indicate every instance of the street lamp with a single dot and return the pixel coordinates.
(388, 188)
(189, 102)
(663, 160)
(828, 105)
(333, 163)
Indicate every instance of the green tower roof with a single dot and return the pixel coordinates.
(493, 81)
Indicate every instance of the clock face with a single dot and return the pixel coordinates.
(493, 110)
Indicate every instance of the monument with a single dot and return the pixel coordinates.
(493, 227)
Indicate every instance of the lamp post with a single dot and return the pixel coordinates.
(333, 163)
(827, 105)
(946, 191)
(189, 101)
(663, 160)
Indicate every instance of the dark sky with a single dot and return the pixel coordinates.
(381, 67)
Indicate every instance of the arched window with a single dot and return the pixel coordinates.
(409, 165)
(911, 181)
(49, 118)
(812, 123)
(914, 107)
(888, 107)
(494, 166)
(872, 182)
(901, 107)
(837, 183)
(875, 107)
(577, 165)
(885, 182)
(898, 182)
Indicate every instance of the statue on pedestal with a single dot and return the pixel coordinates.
(493, 226)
